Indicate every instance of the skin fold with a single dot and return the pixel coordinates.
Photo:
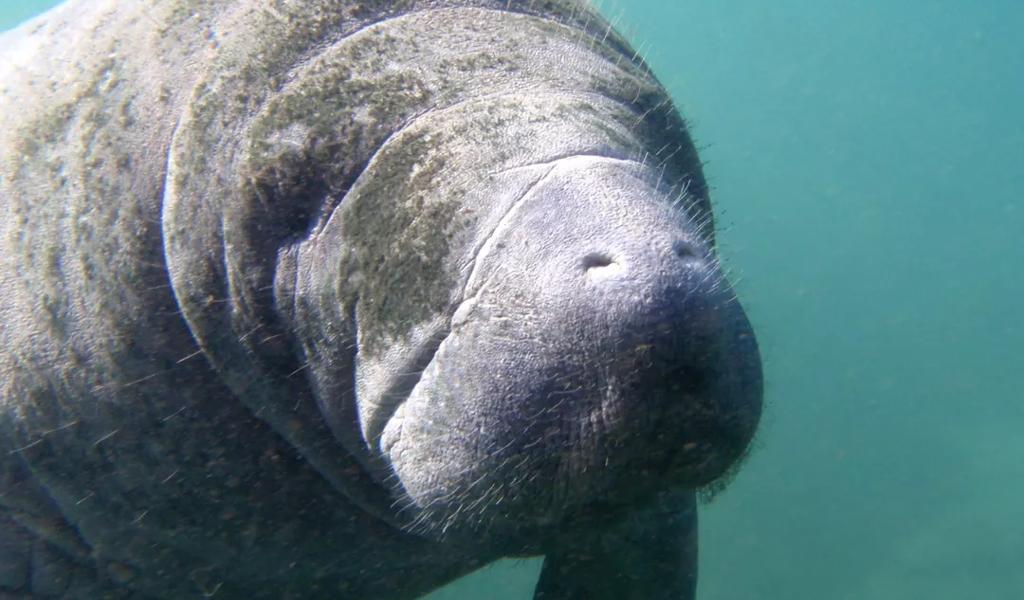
(331, 299)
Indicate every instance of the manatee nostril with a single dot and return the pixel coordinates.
(599, 266)
(596, 260)
(685, 250)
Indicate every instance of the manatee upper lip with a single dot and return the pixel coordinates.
(432, 348)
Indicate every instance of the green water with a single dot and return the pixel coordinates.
(868, 166)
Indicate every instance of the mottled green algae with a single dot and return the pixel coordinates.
(400, 236)
(279, 133)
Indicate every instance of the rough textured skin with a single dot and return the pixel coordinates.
(338, 299)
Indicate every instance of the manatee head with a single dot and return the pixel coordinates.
(598, 356)
(516, 336)
(495, 273)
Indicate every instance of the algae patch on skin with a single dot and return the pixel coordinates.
(399, 256)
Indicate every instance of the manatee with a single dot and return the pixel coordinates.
(338, 299)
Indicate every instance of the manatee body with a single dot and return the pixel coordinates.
(338, 299)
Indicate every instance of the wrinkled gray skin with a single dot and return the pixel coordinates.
(329, 299)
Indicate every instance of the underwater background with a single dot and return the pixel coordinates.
(867, 164)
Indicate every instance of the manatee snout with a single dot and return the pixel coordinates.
(598, 356)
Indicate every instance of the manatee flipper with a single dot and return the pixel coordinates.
(649, 555)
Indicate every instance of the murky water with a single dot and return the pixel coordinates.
(868, 169)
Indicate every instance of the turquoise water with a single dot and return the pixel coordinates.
(13, 12)
(868, 170)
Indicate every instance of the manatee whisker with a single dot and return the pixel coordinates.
(298, 370)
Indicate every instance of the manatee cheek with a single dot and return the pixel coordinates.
(442, 434)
